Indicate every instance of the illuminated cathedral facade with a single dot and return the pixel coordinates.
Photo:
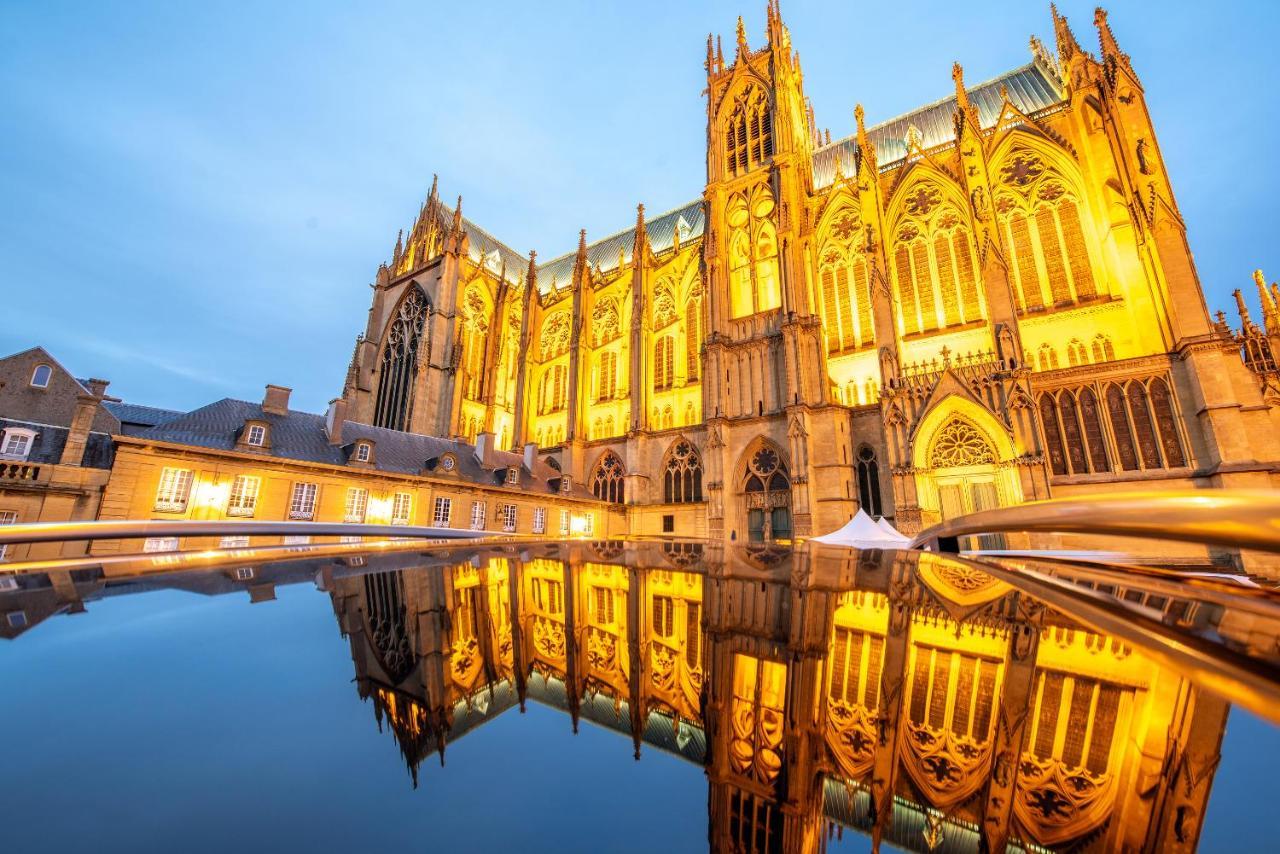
(985, 301)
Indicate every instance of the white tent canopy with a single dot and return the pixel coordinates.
(862, 532)
(883, 524)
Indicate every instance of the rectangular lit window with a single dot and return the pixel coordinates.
(174, 490)
(663, 616)
(257, 434)
(244, 495)
(589, 524)
(539, 520)
(362, 452)
(513, 476)
(603, 601)
(244, 573)
(402, 508)
(234, 542)
(302, 504)
(564, 523)
(7, 517)
(357, 502)
(509, 518)
(477, 515)
(160, 544)
(297, 540)
(441, 512)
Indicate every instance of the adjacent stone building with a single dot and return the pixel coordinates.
(983, 301)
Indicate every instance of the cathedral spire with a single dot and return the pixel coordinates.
(457, 218)
(743, 48)
(719, 55)
(773, 17)
(1111, 54)
(1068, 47)
(866, 148)
(1246, 322)
(1265, 299)
(957, 75)
(640, 246)
(398, 250)
(580, 270)
(531, 278)
(434, 196)
(710, 64)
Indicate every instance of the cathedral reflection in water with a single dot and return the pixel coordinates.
(913, 699)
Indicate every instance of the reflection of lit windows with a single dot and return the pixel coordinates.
(234, 543)
(855, 661)
(244, 495)
(539, 520)
(297, 540)
(441, 512)
(16, 619)
(174, 489)
(759, 693)
(357, 503)
(1076, 721)
(160, 544)
(663, 616)
(302, 504)
(603, 602)
(564, 523)
(509, 518)
(7, 517)
(244, 573)
(548, 595)
(477, 515)
(257, 435)
(402, 508)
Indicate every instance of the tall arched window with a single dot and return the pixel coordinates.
(754, 284)
(474, 328)
(1073, 432)
(934, 263)
(1048, 358)
(1162, 407)
(553, 395)
(1118, 414)
(1103, 351)
(693, 336)
(398, 370)
(607, 479)
(664, 363)
(869, 481)
(846, 287)
(1091, 418)
(607, 386)
(682, 475)
(388, 627)
(1076, 354)
(767, 486)
(748, 135)
(1042, 228)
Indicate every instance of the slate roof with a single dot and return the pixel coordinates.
(604, 253)
(302, 436)
(47, 446)
(1032, 88)
(134, 418)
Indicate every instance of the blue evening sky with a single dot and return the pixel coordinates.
(195, 196)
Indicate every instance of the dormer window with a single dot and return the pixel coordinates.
(513, 476)
(17, 443)
(257, 435)
(40, 376)
(363, 452)
(566, 485)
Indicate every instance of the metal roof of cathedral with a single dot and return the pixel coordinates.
(604, 253)
(1032, 88)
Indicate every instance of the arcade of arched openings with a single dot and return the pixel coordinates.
(987, 300)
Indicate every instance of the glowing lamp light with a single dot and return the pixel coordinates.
(212, 495)
(578, 525)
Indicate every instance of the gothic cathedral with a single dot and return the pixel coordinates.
(985, 301)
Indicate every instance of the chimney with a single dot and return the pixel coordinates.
(485, 450)
(98, 388)
(334, 419)
(78, 432)
(530, 455)
(276, 400)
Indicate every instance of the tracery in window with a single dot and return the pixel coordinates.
(754, 284)
(553, 394)
(959, 443)
(605, 322)
(1043, 233)
(1048, 358)
(1076, 353)
(607, 381)
(693, 335)
(1103, 349)
(748, 135)
(846, 287)
(475, 334)
(398, 370)
(664, 307)
(388, 627)
(682, 475)
(607, 479)
(934, 265)
(555, 335)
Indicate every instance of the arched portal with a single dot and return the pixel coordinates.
(963, 460)
(766, 493)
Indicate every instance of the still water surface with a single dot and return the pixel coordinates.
(475, 700)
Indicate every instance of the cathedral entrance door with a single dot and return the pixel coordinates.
(969, 491)
(767, 491)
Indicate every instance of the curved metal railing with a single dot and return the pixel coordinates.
(47, 532)
(1237, 519)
